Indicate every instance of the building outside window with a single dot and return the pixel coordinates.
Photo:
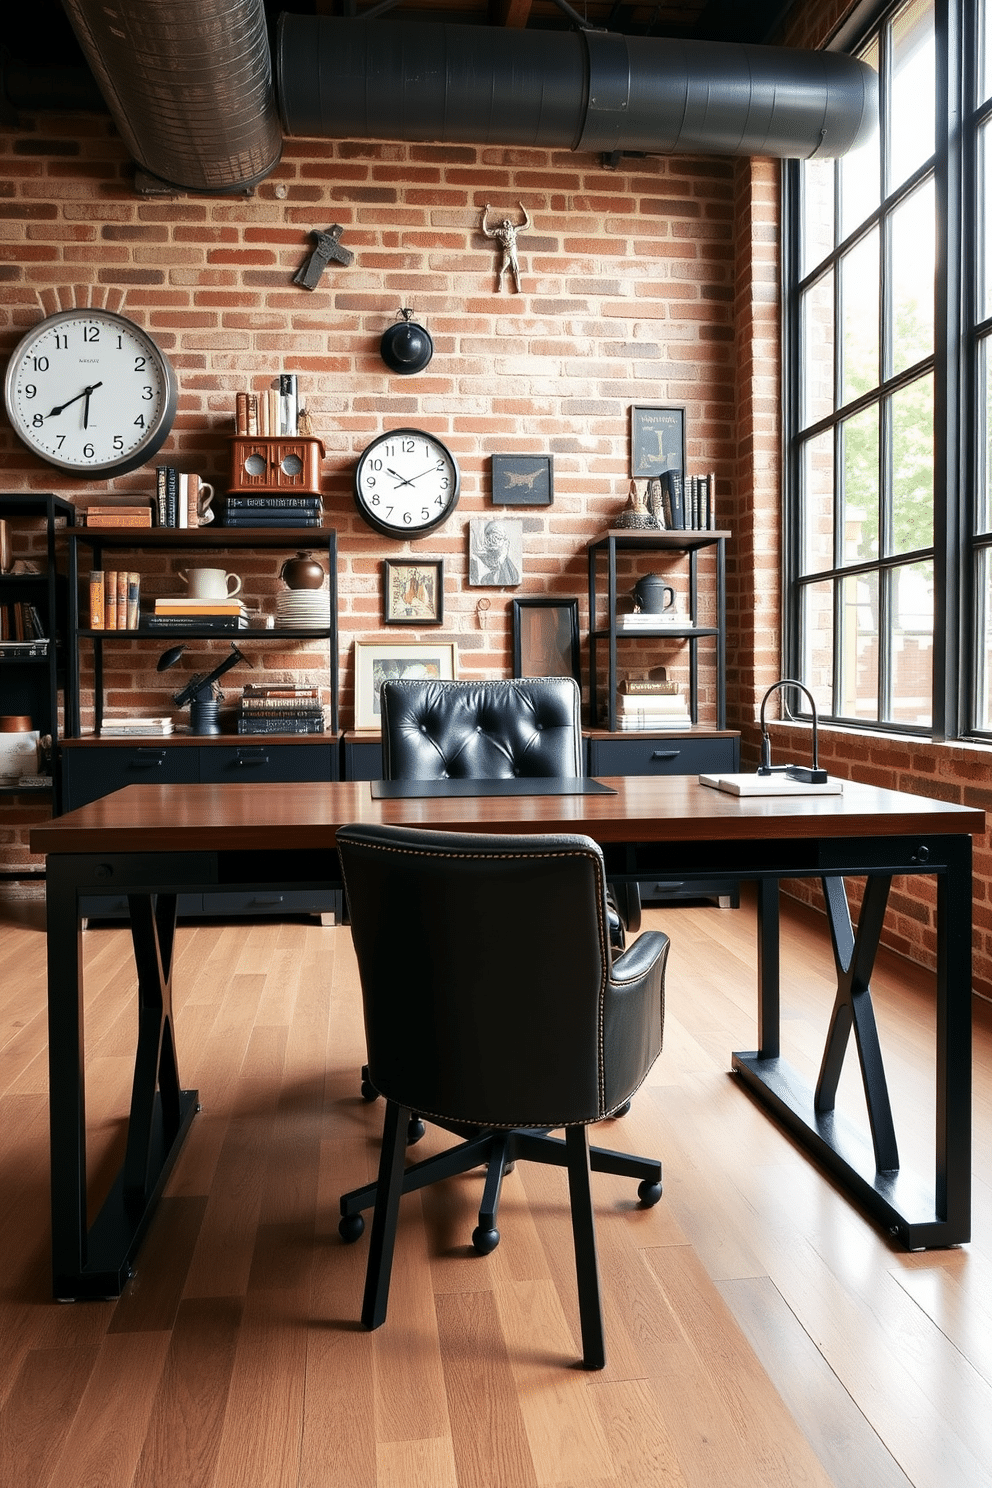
(888, 391)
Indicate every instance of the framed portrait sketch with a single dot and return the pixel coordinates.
(657, 440)
(375, 662)
(523, 480)
(546, 638)
(495, 552)
(413, 593)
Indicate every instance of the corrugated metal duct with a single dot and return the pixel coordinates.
(576, 90)
(188, 84)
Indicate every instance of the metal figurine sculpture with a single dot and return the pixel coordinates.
(327, 247)
(506, 236)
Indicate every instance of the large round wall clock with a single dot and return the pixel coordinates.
(406, 483)
(91, 393)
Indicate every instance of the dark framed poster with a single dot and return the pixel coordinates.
(546, 638)
(657, 440)
(523, 480)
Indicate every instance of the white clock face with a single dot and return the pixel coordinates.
(406, 483)
(90, 392)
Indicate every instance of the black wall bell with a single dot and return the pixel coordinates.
(406, 347)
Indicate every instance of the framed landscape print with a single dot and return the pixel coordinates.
(413, 593)
(374, 662)
(657, 440)
(523, 480)
(546, 638)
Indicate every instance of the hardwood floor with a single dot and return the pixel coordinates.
(759, 1332)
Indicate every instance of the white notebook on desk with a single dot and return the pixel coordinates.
(770, 785)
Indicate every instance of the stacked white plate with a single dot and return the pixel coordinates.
(303, 609)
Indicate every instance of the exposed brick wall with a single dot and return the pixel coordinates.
(654, 283)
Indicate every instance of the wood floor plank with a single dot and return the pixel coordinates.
(104, 1442)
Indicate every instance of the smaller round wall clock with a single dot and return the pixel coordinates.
(406, 483)
(90, 392)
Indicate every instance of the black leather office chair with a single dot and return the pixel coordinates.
(495, 1008)
(526, 728)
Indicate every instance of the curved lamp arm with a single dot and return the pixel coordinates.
(813, 774)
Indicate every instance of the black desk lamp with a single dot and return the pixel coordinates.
(810, 775)
(201, 692)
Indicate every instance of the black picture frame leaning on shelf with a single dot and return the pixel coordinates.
(657, 440)
(523, 480)
(546, 638)
(413, 591)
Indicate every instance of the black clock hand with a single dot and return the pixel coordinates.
(399, 479)
(84, 394)
(413, 478)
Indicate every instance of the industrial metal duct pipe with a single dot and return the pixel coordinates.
(588, 90)
(188, 84)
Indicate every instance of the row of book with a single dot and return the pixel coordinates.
(273, 511)
(651, 702)
(687, 502)
(21, 621)
(114, 599)
(177, 498)
(271, 413)
(280, 708)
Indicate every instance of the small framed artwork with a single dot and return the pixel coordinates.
(657, 440)
(523, 480)
(546, 638)
(495, 552)
(375, 662)
(413, 593)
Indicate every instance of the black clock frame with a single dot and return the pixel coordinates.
(384, 528)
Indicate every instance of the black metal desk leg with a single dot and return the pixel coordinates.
(67, 1103)
(153, 932)
(953, 1036)
(854, 957)
(769, 1015)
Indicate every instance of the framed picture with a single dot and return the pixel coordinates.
(413, 593)
(546, 638)
(375, 662)
(523, 480)
(657, 440)
(495, 552)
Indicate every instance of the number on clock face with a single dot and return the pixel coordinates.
(89, 391)
(406, 483)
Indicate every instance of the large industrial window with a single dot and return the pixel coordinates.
(889, 391)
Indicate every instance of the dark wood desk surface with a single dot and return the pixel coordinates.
(164, 818)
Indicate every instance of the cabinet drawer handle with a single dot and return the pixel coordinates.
(666, 754)
(669, 888)
(249, 757)
(145, 758)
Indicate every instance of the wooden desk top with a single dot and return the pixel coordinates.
(230, 817)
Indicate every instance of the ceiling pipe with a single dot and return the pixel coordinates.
(188, 84)
(579, 90)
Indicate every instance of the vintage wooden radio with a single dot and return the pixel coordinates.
(275, 463)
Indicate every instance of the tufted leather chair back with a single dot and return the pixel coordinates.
(490, 996)
(490, 730)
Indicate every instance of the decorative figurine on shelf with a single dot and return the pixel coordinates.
(327, 248)
(505, 235)
(635, 514)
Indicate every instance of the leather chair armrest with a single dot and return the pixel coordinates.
(633, 1016)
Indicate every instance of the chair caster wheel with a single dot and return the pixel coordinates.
(649, 1193)
(621, 1110)
(484, 1241)
(369, 1091)
(350, 1227)
(415, 1130)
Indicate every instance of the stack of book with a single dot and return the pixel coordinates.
(650, 620)
(126, 728)
(21, 621)
(114, 597)
(280, 708)
(272, 511)
(184, 612)
(651, 703)
(177, 497)
(121, 515)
